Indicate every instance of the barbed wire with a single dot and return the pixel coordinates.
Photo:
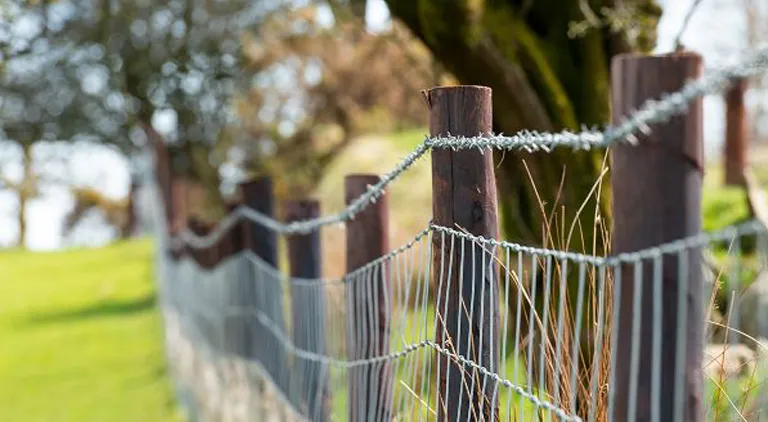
(651, 112)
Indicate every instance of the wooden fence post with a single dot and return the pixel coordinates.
(367, 239)
(656, 199)
(734, 152)
(308, 311)
(235, 289)
(259, 196)
(464, 198)
(266, 297)
(163, 174)
(179, 204)
(231, 241)
(204, 259)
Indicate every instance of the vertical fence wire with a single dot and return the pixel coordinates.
(556, 337)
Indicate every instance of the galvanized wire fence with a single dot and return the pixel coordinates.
(557, 330)
(457, 325)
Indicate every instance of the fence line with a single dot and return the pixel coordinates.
(651, 112)
(213, 313)
(525, 393)
(438, 328)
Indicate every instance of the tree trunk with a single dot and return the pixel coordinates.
(26, 190)
(22, 240)
(542, 79)
(191, 159)
(131, 220)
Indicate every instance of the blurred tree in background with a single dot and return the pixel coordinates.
(179, 61)
(230, 88)
(318, 85)
(304, 95)
(48, 93)
(241, 87)
(105, 71)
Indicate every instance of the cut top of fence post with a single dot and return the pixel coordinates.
(369, 229)
(303, 249)
(463, 180)
(463, 110)
(258, 195)
(368, 319)
(636, 79)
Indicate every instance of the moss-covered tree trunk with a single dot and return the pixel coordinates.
(542, 79)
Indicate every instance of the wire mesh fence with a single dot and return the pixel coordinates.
(458, 325)
(302, 344)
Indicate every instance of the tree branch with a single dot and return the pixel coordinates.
(684, 26)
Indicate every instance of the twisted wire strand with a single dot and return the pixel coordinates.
(653, 111)
(752, 227)
(347, 278)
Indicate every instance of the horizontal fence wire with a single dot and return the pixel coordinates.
(511, 332)
(653, 111)
(557, 338)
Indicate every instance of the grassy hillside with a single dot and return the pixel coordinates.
(410, 196)
(80, 337)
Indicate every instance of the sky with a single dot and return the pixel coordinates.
(715, 32)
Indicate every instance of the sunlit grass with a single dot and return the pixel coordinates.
(82, 338)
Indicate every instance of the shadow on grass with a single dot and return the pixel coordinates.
(106, 308)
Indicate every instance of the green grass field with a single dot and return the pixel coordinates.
(81, 339)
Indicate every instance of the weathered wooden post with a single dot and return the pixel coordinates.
(258, 195)
(179, 204)
(235, 300)
(735, 149)
(308, 310)
(198, 285)
(266, 298)
(231, 240)
(656, 199)
(163, 173)
(464, 197)
(367, 239)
